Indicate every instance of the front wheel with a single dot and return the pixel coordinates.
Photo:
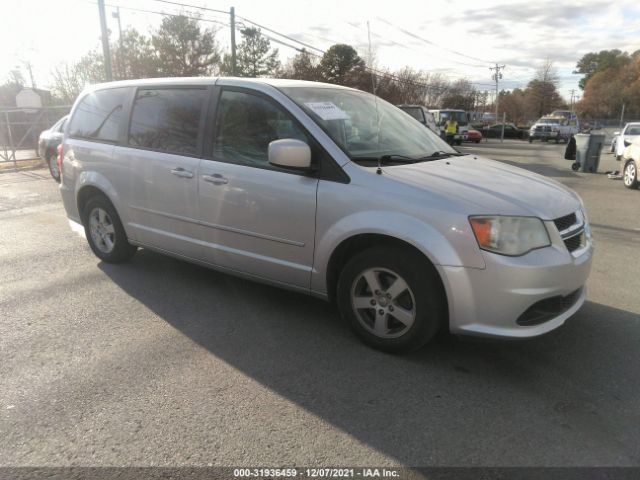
(104, 231)
(630, 176)
(52, 163)
(392, 298)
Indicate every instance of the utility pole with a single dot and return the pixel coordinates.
(119, 69)
(373, 77)
(105, 41)
(232, 14)
(622, 116)
(497, 76)
(573, 93)
(30, 70)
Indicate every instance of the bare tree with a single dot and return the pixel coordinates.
(70, 79)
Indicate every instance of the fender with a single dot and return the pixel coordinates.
(424, 237)
(91, 178)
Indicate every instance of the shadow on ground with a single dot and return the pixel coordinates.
(565, 398)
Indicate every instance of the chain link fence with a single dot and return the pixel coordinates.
(20, 129)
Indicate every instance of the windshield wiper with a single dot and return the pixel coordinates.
(442, 153)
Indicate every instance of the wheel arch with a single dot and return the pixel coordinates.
(92, 183)
(352, 245)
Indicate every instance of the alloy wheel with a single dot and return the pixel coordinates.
(102, 230)
(383, 303)
(629, 174)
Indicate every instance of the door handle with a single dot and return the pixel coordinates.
(216, 179)
(181, 172)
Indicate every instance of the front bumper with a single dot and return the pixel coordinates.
(489, 301)
(535, 135)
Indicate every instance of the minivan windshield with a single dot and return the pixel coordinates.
(367, 127)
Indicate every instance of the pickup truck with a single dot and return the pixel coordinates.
(552, 127)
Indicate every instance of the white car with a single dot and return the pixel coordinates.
(624, 138)
(631, 159)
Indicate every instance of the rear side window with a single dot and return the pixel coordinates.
(167, 120)
(416, 113)
(99, 114)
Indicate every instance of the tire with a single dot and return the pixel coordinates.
(458, 142)
(477, 141)
(530, 140)
(411, 317)
(104, 231)
(52, 163)
(557, 140)
(630, 175)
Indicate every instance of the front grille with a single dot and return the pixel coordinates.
(571, 230)
(565, 222)
(575, 242)
(547, 309)
(543, 129)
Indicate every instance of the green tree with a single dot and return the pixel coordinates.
(595, 62)
(255, 57)
(134, 56)
(303, 66)
(183, 49)
(338, 62)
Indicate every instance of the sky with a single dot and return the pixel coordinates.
(458, 38)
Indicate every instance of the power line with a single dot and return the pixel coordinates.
(377, 73)
(429, 42)
(187, 5)
(191, 6)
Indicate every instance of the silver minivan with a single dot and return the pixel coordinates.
(329, 191)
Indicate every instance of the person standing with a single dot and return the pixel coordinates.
(451, 128)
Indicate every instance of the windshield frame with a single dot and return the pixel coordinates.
(439, 143)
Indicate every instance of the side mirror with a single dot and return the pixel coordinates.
(290, 153)
(616, 133)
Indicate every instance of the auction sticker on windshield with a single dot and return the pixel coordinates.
(327, 111)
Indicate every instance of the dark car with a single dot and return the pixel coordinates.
(48, 144)
(510, 131)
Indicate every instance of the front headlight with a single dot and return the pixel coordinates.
(512, 236)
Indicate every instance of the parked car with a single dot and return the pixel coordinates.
(624, 138)
(422, 114)
(48, 143)
(474, 136)
(510, 131)
(631, 162)
(328, 191)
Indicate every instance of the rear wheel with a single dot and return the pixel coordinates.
(392, 298)
(104, 231)
(52, 163)
(630, 176)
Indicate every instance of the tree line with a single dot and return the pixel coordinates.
(181, 47)
(611, 80)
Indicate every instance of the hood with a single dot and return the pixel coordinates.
(489, 187)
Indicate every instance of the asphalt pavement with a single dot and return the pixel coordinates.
(159, 362)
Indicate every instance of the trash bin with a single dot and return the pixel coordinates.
(588, 148)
